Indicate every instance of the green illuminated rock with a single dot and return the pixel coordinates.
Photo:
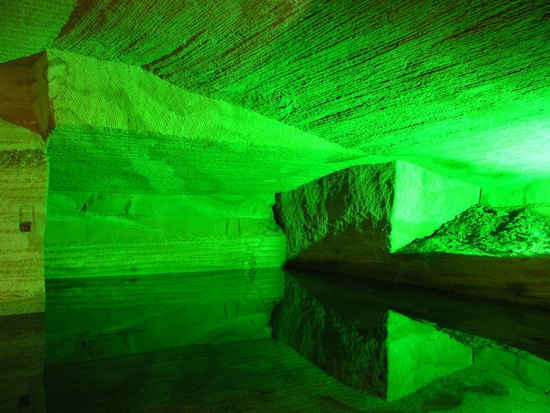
(355, 222)
(91, 318)
(368, 211)
(30, 26)
(484, 231)
(120, 127)
(533, 196)
(148, 178)
(23, 189)
(103, 234)
(459, 86)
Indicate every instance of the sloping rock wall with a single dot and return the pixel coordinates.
(149, 178)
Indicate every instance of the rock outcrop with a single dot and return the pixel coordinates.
(110, 234)
(149, 178)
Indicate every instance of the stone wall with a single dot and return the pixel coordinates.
(533, 196)
(23, 185)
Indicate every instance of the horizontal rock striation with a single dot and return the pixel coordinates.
(458, 86)
(104, 234)
(147, 178)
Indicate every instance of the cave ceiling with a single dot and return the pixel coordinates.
(458, 85)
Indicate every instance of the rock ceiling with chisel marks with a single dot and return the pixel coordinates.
(460, 86)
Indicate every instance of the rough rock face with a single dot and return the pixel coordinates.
(24, 97)
(149, 178)
(168, 194)
(356, 202)
(23, 185)
(413, 79)
(368, 209)
(24, 123)
(138, 132)
(363, 345)
(30, 26)
(330, 227)
(484, 231)
(109, 234)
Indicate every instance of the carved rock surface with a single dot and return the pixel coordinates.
(149, 178)
(96, 317)
(454, 85)
(104, 234)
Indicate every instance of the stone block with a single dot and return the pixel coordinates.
(357, 221)
(368, 211)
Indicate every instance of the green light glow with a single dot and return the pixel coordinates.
(166, 166)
